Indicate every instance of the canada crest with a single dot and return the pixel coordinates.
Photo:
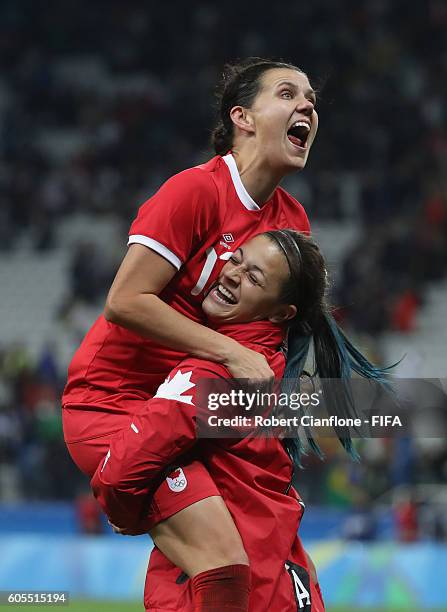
(177, 480)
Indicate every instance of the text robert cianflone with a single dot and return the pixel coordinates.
(246, 400)
(303, 421)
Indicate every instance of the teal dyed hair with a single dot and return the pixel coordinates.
(335, 357)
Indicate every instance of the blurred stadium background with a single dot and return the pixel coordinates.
(102, 101)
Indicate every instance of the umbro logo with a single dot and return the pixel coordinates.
(228, 237)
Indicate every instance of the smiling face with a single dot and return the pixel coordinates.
(250, 285)
(283, 119)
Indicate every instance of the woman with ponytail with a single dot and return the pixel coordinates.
(273, 287)
(178, 243)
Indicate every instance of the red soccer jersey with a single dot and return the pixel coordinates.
(195, 221)
(253, 476)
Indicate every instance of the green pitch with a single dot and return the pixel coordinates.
(118, 606)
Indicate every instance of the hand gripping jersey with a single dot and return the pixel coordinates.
(253, 475)
(195, 221)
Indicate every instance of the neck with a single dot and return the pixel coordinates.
(256, 175)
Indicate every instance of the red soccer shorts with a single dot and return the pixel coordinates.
(181, 488)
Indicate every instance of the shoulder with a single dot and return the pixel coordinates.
(202, 175)
(297, 216)
(192, 190)
(196, 180)
(289, 200)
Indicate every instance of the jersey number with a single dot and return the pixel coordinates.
(210, 262)
(301, 586)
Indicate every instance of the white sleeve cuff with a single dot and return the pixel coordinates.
(157, 247)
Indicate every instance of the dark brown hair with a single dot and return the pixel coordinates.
(308, 279)
(239, 86)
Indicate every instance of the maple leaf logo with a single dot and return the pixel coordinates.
(175, 387)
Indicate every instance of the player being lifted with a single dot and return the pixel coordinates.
(178, 244)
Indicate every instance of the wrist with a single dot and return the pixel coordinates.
(226, 349)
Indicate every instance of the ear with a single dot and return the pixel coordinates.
(242, 118)
(286, 312)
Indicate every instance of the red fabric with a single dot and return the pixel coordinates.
(88, 514)
(407, 521)
(252, 476)
(87, 454)
(115, 371)
(197, 214)
(168, 589)
(166, 429)
(167, 500)
(403, 316)
(320, 595)
(436, 210)
(222, 589)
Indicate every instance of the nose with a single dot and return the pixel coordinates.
(231, 275)
(305, 106)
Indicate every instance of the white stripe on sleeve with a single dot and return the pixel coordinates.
(157, 247)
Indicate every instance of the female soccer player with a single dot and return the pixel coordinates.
(275, 281)
(180, 240)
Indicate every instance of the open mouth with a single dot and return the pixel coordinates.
(223, 295)
(298, 133)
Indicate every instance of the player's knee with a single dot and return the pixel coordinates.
(216, 557)
(235, 557)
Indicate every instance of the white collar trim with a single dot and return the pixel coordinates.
(242, 193)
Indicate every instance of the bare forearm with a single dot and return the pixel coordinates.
(149, 316)
(133, 302)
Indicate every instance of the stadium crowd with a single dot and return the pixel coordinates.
(99, 103)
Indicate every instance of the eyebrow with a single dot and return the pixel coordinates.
(253, 266)
(309, 92)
